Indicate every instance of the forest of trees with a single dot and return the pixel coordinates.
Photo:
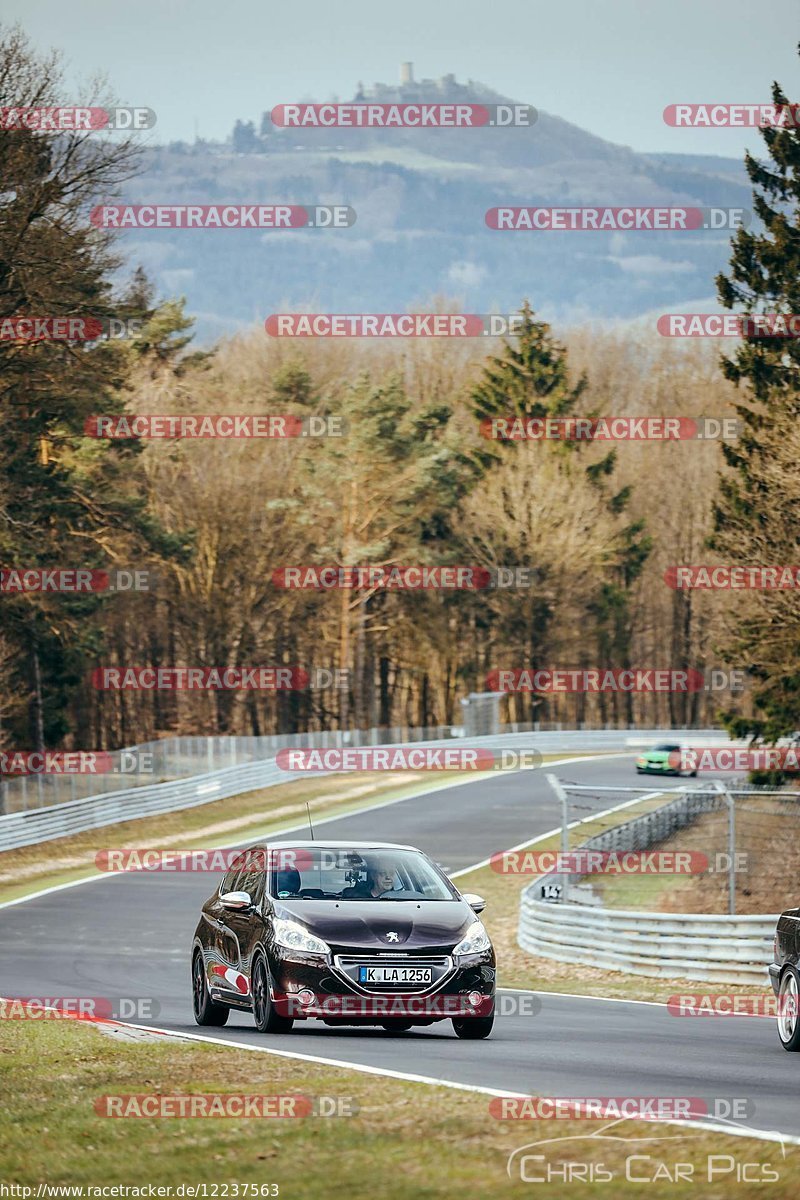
(411, 482)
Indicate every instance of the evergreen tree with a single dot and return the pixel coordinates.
(66, 500)
(531, 379)
(244, 137)
(753, 523)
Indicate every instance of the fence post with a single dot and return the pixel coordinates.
(555, 784)
(731, 801)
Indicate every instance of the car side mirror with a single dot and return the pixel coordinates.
(236, 900)
(476, 903)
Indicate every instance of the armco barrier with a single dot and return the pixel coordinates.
(76, 816)
(170, 759)
(92, 812)
(718, 949)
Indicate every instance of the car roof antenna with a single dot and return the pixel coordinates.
(310, 826)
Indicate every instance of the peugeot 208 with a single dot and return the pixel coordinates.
(348, 933)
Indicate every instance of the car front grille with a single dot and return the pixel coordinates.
(442, 967)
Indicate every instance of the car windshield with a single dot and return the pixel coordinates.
(335, 873)
(671, 749)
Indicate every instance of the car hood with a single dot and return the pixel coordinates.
(382, 924)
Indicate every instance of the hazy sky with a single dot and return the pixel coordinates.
(608, 67)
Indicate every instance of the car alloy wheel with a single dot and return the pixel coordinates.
(198, 986)
(206, 1011)
(264, 1015)
(788, 999)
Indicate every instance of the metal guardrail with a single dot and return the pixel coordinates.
(719, 949)
(689, 946)
(173, 758)
(92, 812)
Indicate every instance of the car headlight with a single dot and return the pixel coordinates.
(475, 941)
(294, 936)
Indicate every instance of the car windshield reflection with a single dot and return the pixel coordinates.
(331, 873)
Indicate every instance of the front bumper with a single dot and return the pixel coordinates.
(305, 987)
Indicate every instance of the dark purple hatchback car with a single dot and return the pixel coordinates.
(346, 933)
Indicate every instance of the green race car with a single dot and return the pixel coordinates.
(662, 760)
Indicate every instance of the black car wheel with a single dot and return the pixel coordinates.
(788, 1016)
(206, 1011)
(473, 1028)
(397, 1026)
(264, 1015)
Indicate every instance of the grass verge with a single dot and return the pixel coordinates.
(408, 1141)
(768, 858)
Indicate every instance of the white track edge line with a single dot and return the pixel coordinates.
(434, 1081)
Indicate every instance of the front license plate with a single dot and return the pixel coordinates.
(395, 975)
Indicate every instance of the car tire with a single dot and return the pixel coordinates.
(397, 1026)
(264, 1015)
(473, 1028)
(789, 1022)
(206, 1011)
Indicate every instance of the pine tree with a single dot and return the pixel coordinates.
(753, 523)
(531, 379)
(65, 500)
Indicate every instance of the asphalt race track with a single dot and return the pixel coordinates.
(129, 935)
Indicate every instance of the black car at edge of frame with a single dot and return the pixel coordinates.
(785, 977)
